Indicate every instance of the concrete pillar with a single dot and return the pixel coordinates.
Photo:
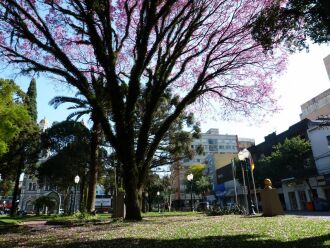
(286, 197)
(298, 200)
(321, 193)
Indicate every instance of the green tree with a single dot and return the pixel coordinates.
(155, 184)
(31, 100)
(293, 22)
(82, 107)
(68, 143)
(13, 114)
(23, 153)
(293, 158)
(142, 49)
(200, 183)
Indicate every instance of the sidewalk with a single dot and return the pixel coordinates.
(311, 214)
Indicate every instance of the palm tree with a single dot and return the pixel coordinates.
(82, 107)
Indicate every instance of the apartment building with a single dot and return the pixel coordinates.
(213, 143)
(316, 107)
(326, 61)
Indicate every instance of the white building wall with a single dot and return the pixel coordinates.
(326, 61)
(317, 106)
(320, 147)
(213, 142)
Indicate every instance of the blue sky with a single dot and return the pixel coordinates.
(304, 78)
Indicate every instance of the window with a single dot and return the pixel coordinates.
(228, 147)
(34, 186)
(213, 141)
(221, 147)
(192, 146)
(30, 186)
(213, 148)
(198, 160)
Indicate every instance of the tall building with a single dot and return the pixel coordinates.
(326, 61)
(213, 143)
(320, 104)
(316, 107)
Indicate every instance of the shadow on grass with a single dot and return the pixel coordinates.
(6, 229)
(206, 242)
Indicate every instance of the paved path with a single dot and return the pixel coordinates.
(37, 225)
(311, 214)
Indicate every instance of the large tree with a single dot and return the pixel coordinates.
(23, 152)
(13, 114)
(124, 52)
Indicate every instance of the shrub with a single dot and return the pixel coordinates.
(216, 210)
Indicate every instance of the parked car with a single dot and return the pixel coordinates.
(202, 206)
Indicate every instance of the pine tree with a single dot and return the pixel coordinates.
(31, 100)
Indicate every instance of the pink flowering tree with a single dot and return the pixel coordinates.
(127, 56)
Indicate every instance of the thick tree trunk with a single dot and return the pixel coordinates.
(16, 186)
(132, 198)
(93, 170)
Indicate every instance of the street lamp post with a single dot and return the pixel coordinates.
(243, 156)
(158, 193)
(76, 181)
(146, 201)
(190, 177)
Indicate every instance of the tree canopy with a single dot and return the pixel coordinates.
(13, 114)
(293, 22)
(122, 53)
(69, 147)
(200, 183)
(293, 158)
(23, 152)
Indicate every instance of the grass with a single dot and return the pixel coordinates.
(6, 220)
(178, 230)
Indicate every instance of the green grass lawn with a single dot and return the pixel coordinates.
(6, 220)
(177, 230)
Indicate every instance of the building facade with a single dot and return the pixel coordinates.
(326, 61)
(245, 143)
(316, 107)
(319, 136)
(297, 192)
(31, 190)
(213, 143)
